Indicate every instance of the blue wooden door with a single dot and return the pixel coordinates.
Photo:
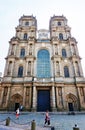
(43, 100)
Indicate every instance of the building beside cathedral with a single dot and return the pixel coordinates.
(43, 68)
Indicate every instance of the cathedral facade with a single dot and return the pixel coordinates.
(43, 68)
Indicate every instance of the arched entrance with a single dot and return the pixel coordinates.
(15, 102)
(72, 103)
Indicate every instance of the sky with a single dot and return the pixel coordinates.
(43, 10)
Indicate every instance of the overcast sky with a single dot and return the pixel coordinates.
(12, 10)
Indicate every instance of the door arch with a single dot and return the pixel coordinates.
(72, 102)
(15, 102)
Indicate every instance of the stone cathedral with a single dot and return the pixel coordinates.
(43, 68)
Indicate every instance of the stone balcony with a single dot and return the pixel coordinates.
(44, 80)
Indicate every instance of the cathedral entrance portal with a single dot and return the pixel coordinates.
(72, 102)
(43, 100)
(15, 102)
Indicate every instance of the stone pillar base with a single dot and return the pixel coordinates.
(33, 109)
(54, 109)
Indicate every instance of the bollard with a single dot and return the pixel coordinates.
(52, 128)
(8, 121)
(33, 125)
(75, 128)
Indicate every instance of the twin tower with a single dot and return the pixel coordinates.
(43, 68)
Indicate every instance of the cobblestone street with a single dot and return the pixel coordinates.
(17, 128)
(58, 121)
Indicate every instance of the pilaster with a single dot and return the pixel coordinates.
(24, 95)
(8, 96)
(53, 99)
(34, 99)
(1, 100)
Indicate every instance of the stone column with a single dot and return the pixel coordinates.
(32, 68)
(74, 68)
(59, 53)
(53, 99)
(76, 50)
(73, 49)
(15, 50)
(29, 68)
(8, 98)
(24, 93)
(80, 68)
(57, 68)
(60, 67)
(63, 98)
(26, 70)
(78, 101)
(6, 68)
(56, 49)
(54, 46)
(12, 68)
(30, 49)
(54, 70)
(1, 100)
(34, 99)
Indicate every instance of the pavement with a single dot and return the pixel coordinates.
(9, 128)
(2, 127)
(60, 121)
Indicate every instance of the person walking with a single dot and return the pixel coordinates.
(17, 113)
(47, 118)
